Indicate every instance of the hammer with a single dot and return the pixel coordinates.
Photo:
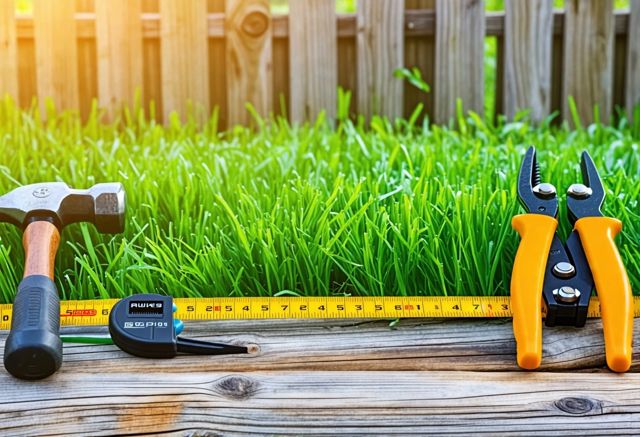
(33, 349)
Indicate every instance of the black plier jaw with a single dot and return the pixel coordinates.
(535, 196)
(567, 279)
(566, 274)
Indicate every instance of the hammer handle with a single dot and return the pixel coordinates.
(33, 349)
(40, 240)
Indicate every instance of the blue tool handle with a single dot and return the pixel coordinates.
(33, 349)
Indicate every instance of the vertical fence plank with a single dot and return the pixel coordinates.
(419, 52)
(459, 57)
(8, 50)
(248, 58)
(119, 47)
(588, 59)
(528, 31)
(56, 52)
(633, 58)
(312, 58)
(184, 60)
(380, 25)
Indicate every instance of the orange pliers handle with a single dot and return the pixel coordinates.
(597, 236)
(527, 279)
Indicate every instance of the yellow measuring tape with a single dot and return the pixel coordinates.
(96, 312)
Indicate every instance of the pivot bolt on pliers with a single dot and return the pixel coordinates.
(567, 273)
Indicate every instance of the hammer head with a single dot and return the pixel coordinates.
(103, 205)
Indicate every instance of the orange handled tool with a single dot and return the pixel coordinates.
(612, 283)
(529, 267)
(566, 274)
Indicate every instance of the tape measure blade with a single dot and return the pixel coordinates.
(96, 312)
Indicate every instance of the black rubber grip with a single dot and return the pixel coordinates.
(33, 349)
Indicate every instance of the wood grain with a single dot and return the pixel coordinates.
(633, 58)
(313, 59)
(357, 345)
(345, 377)
(56, 53)
(40, 240)
(459, 65)
(380, 53)
(8, 50)
(248, 53)
(527, 60)
(119, 49)
(588, 58)
(184, 60)
(297, 403)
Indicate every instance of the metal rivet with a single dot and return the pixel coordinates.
(564, 270)
(545, 190)
(579, 191)
(566, 294)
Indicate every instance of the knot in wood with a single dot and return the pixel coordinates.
(237, 387)
(573, 405)
(255, 24)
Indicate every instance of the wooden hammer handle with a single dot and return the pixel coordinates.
(40, 240)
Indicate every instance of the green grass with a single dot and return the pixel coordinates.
(390, 209)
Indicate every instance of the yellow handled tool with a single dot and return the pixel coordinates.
(612, 283)
(537, 232)
(566, 274)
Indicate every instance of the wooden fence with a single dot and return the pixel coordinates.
(217, 53)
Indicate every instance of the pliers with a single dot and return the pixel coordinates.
(566, 274)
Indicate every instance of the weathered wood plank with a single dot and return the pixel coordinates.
(184, 60)
(8, 50)
(119, 47)
(459, 69)
(633, 58)
(248, 53)
(296, 403)
(588, 58)
(419, 52)
(380, 53)
(344, 376)
(527, 82)
(313, 59)
(418, 344)
(56, 53)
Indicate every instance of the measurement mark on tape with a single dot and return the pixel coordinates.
(96, 312)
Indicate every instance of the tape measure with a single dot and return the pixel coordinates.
(96, 312)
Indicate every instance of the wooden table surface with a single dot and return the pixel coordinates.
(335, 376)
